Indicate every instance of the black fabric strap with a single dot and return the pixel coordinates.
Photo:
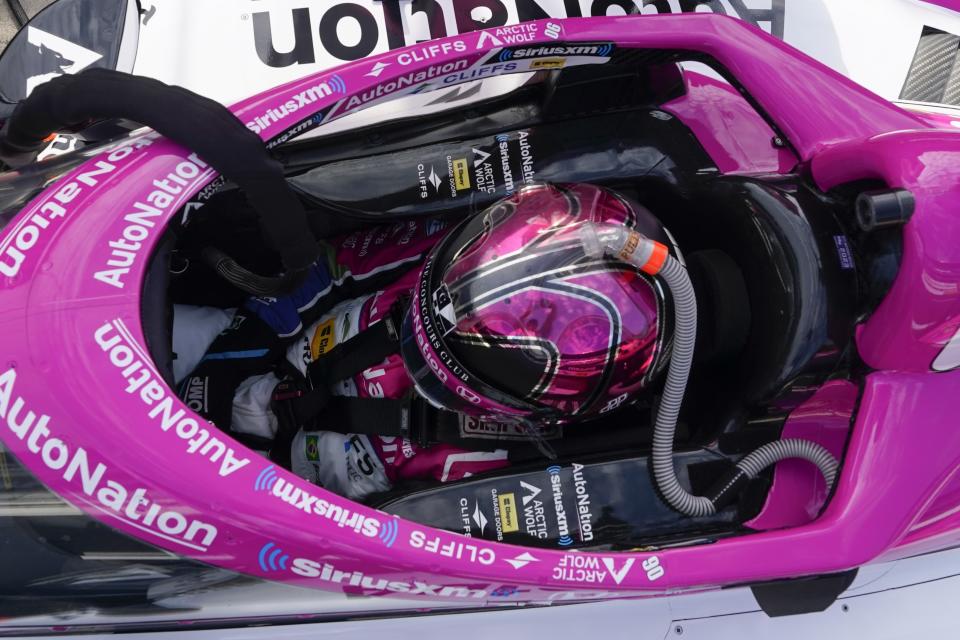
(353, 356)
(411, 418)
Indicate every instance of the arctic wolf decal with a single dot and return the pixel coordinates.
(56, 57)
(52, 61)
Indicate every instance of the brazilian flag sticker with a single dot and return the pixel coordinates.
(313, 448)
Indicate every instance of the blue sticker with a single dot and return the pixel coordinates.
(843, 252)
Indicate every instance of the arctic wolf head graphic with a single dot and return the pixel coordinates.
(52, 61)
(57, 56)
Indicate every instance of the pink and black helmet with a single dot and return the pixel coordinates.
(512, 319)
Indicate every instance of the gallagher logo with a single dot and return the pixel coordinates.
(563, 51)
(269, 481)
(272, 558)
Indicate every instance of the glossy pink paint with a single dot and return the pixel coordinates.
(74, 355)
(730, 130)
(799, 492)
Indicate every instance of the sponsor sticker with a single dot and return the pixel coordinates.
(268, 481)
(534, 513)
(197, 394)
(327, 572)
(324, 339)
(600, 50)
(582, 497)
(548, 63)
(273, 115)
(412, 82)
(312, 448)
(143, 218)
(92, 482)
(577, 567)
(126, 355)
(522, 560)
(508, 513)
(456, 549)
(556, 490)
(292, 35)
(461, 174)
(20, 239)
(56, 57)
(471, 427)
(843, 252)
(443, 303)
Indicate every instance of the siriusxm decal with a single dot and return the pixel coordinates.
(272, 558)
(556, 486)
(548, 51)
(266, 479)
(269, 481)
(273, 115)
(388, 533)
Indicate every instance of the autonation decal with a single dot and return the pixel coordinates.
(97, 487)
(326, 33)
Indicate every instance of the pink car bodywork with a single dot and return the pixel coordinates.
(86, 411)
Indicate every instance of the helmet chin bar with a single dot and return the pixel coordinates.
(653, 258)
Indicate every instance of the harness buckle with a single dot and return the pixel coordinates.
(415, 420)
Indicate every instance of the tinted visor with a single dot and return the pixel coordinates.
(426, 381)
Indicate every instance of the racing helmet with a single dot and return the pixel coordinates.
(511, 319)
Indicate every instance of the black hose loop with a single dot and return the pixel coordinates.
(252, 283)
(191, 120)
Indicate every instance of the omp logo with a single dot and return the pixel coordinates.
(273, 115)
(266, 479)
(594, 50)
(57, 57)
(552, 30)
(272, 558)
(388, 533)
(197, 394)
